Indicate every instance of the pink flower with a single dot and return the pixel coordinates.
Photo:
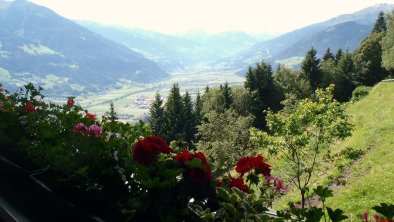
(365, 216)
(80, 128)
(376, 217)
(1, 90)
(278, 184)
(95, 130)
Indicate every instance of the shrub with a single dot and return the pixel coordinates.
(360, 92)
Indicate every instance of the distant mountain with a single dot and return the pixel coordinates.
(176, 51)
(344, 31)
(40, 46)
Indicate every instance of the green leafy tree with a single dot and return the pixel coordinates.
(291, 82)
(240, 100)
(156, 116)
(368, 60)
(264, 92)
(213, 101)
(174, 115)
(380, 24)
(310, 69)
(303, 133)
(388, 45)
(224, 138)
(329, 71)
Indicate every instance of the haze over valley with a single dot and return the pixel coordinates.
(101, 63)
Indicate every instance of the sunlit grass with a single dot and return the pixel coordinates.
(368, 181)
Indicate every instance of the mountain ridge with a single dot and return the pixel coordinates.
(36, 43)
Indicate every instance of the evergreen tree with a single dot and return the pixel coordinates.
(328, 55)
(111, 115)
(173, 115)
(380, 24)
(338, 55)
(388, 45)
(189, 125)
(156, 116)
(228, 97)
(206, 89)
(263, 91)
(368, 60)
(198, 109)
(344, 78)
(310, 69)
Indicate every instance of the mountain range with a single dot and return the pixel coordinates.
(344, 31)
(177, 51)
(39, 46)
(72, 57)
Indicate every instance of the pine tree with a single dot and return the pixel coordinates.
(263, 91)
(156, 116)
(227, 95)
(198, 109)
(380, 24)
(328, 55)
(310, 69)
(338, 55)
(344, 78)
(111, 115)
(189, 125)
(173, 115)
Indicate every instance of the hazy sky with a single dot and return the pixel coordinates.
(175, 16)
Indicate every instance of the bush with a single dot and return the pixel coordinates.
(360, 92)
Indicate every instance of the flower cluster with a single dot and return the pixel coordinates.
(145, 151)
(277, 184)
(376, 218)
(196, 165)
(70, 102)
(90, 116)
(29, 107)
(238, 183)
(93, 130)
(246, 164)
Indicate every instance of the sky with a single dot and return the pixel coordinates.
(213, 16)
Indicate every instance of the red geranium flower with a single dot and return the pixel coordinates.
(239, 183)
(183, 157)
(29, 108)
(246, 164)
(90, 116)
(70, 102)
(146, 150)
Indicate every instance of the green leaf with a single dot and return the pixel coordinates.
(336, 215)
(313, 214)
(230, 208)
(386, 210)
(223, 194)
(194, 163)
(323, 192)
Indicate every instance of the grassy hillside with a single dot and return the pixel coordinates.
(369, 180)
(361, 172)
